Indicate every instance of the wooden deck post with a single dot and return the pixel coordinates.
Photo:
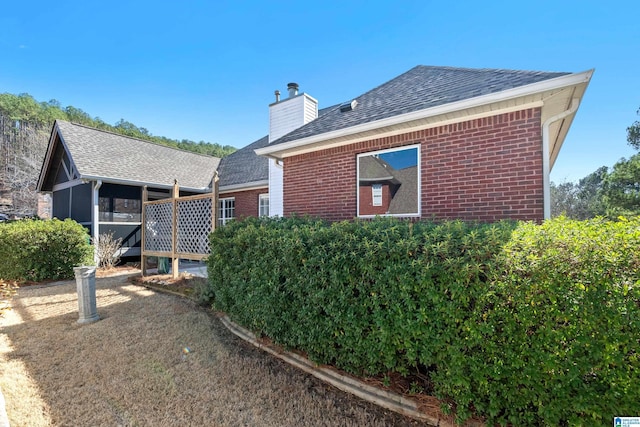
(174, 236)
(214, 201)
(143, 258)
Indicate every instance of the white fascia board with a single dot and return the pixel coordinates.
(47, 158)
(244, 186)
(107, 180)
(478, 101)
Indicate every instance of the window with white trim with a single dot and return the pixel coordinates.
(263, 204)
(389, 182)
(376, 194)
(226, 210)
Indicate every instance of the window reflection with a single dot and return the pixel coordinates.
(119, 210)
(388, 182)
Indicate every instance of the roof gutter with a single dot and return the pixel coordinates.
(254, 185)
(546, 184)
(551, 84)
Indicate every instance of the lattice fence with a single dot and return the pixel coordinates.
(158, 226)
(194, 225)
(178, 227)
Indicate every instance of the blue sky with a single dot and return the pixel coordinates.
(207, 70)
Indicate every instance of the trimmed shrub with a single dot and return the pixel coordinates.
(522, 324)
(38, 250)
(556, 340)
(369, 297)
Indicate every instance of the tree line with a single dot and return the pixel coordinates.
(25, 126)
(610, 192)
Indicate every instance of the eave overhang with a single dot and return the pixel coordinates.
(246, 186)
(552, 96)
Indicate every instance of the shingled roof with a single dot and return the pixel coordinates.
(420, 88)
(112, 157)
(244, 166)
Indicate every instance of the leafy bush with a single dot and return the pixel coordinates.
(555, 341)
(38, 250)
(519, 323)
(364, 296)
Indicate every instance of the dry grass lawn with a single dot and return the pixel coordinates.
(152, 360)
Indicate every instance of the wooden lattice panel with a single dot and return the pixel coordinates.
(158, 227)
(194, 225)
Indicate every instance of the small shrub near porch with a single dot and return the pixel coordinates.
(521, 323)
(38, 250)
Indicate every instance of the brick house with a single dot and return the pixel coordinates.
(244, 184)
(477, 144)
(434, 142)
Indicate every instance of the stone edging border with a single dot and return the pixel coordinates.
(386, 399)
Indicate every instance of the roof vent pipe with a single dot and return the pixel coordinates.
(277, 92)
(293, 89)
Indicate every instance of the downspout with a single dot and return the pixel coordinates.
(95, 216)
(546, 184)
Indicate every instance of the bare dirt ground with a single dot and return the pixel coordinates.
(152, 360)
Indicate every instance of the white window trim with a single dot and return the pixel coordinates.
(419, 184)
(222, 218)
(262, 197)
(376, 194)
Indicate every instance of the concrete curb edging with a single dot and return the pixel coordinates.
(389, 400)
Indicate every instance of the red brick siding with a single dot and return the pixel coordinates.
(366, 200)
(246, 201)
(485, 169)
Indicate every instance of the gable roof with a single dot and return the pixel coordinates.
(374, 169)
(419, 88)
(115, 158)
(427, 96)
(244, 167)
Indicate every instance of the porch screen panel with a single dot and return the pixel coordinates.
(61, 203)
(81, 203)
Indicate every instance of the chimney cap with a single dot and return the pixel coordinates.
(293, 89)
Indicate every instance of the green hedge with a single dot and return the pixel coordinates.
(557, 340)
(523, 324)
(39, 250)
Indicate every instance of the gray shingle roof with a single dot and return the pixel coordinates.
(420, 88)
(375, 169)
(244, 166)
(405, 200)
(107, 155)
